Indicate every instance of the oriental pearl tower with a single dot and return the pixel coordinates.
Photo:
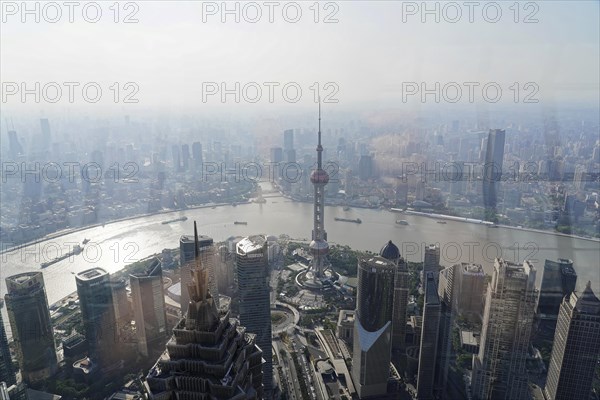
(319, 246)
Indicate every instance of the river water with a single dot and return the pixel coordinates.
(113, 246)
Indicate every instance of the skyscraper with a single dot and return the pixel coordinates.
(373, 326)
(492, 172)
(499, 368)
(185, 156)
(149, 311)
(558, 281)
(447, 292)
(447, 285)
(176, 153)
(46, 137)
(186, 261)
(576, 347)
(429, 339)
(31, 326)
(210, 356)
(14, 146)
(7, 373)
(98, 315)
(391, 252)
(288, 139)
(276, 154)
(365, 167)
(431, 260)
(197, 154)
(120, 301)
(470, 286)
(254, 297)
(319, 246)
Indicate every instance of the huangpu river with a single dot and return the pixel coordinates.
(117, 244)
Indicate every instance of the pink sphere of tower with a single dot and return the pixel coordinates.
(319, 176)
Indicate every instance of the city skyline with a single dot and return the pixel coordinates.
(323, 200)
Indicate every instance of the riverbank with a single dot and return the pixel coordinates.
(490, 224)
(83, 228)
(396, 210)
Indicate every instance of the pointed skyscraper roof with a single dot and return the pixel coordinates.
(587, 302)
(390, 251)
(202, 311)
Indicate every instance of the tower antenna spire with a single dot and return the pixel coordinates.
(196, 252)
(319, 120)
(197, 261)
(319, 146)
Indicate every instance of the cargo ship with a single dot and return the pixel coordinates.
(356, 221)
(402, 222)
(240, 223)
(76, 250)
(174, 220)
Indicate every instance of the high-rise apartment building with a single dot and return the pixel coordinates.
(148, 298)
(186, 261)
(254, 297)
(429, 339)
(7, 373)
(576, 347)
(373, 326)
(98, 315)
(210, 356)
(31, 326)
(499, 369)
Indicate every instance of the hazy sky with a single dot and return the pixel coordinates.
(368, 54)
